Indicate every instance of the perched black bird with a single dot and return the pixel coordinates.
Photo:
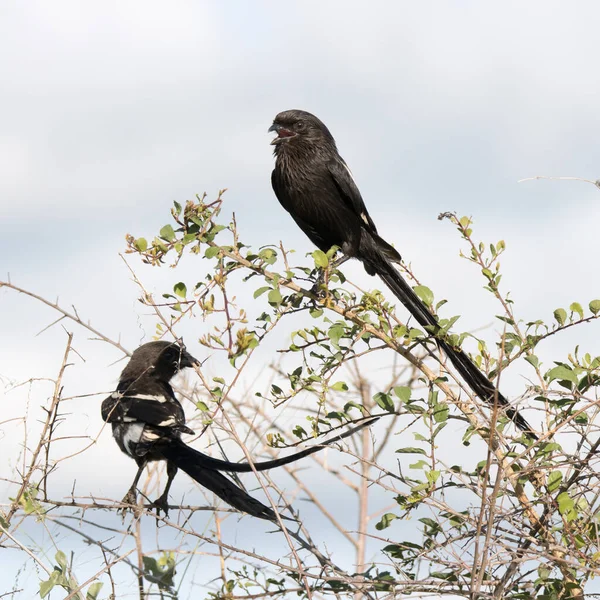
(313, 183)
(147, 422)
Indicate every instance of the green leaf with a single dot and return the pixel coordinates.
(411, 450)
(61, 560)
(180, 289)
(562, 373)
(576, 308)
(560, 314)
(386, 521)
(533, 360)
(211, 251)
(275, 297)
(167, 233)
(261, 291)
(384, 401)
(335, 333)
(94, 590)
(595, 307)
(46, 587)
(424, 293)
(320, 259)
(403, 392)
(268, 255)
(440, 412)
(554, 480)
(565, 503)
(339, 386)
(141, 244)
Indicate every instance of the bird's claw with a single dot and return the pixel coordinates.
(161, 504)
(130, 501)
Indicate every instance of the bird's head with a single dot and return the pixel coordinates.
(160, 359)
(299, 128)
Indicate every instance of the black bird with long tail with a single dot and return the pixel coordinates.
(313, 183)
(147, 422)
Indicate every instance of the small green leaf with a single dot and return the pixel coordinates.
(339, 386)
(180, 289)
(403, 392)
(94, 590)
(261, 291)
(167, 233)
(275, 297)
(320, 259)
(46, 587)
(565, 503)
(424, 293)
(211, 251)
(440, 412)
(411, 450)
(560, 314)
(595, 307)
(576, 308)
(384, 401)
(554, 480)
(141, 244)
(562, 373)
(533, 360)
(335, 333)
(61, 560)
(386, 521)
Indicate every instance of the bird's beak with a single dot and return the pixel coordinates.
(281, 132)
(187, 360)
(274, 129)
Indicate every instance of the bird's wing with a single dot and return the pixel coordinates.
(349, 192)
(159, 411)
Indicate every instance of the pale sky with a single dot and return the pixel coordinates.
(110, 111)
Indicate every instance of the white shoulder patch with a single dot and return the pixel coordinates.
(159, 398)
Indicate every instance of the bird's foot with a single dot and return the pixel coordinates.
(320, 286)
(129, 499)
(161, 504)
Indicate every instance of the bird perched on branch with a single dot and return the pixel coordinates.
(147, 422)
(313, 183)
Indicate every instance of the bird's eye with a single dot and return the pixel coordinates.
(300, 125)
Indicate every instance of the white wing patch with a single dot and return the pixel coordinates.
(132, 435)
(349, 171)
(159, 398)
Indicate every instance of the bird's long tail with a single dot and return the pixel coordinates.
(205, 470)
(472, 376)
(187, 460)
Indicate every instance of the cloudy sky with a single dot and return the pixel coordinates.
(110, 111)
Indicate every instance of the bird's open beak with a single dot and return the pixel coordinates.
(281, 132)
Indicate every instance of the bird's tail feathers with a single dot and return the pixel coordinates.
(186, 459)
(208, 462)
(470, 373)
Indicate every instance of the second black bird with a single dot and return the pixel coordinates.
(147, 422)
(313, 183)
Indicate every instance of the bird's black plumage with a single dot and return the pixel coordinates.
(313, 183)
(147, 422)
